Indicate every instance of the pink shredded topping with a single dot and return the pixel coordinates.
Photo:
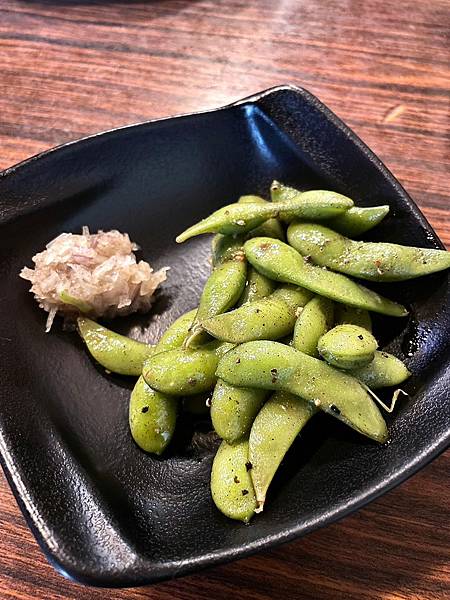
(99, 270)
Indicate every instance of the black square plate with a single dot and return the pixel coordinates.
(104, 512)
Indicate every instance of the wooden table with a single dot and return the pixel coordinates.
(69, 69)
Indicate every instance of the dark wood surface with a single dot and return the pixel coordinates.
(68, 69)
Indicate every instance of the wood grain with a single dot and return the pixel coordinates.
(69, 69)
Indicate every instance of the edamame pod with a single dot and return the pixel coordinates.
(115, 352)
(233, 410)
(231, 484)
(270, 318)
(355, 221)
(176, 333)
(347, 347)
(256, 287)
(353, 316)
(184, 371)
(273, 366)
(240, 218)
(152, 417)
(270, 228)
(223, 287)
(374, 261)
(280, 262)
(385, 370)
(315, 319)
(274, 429)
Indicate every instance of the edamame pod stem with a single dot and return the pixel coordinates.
(233, 410)
(385, 370)
(240, 218)
(152, 415)
(270, 318)
(231, 485)
(355, 221)
(314, 321)
(273, 366)
(347, 346)
(256, 287)
(115, 352)
(184, 371)
(280, 262)
(352, 316)
(374, 261)
(223, 287)
(274, 429)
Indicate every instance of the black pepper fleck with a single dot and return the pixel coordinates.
(145, 409)
(335, 409)
(244, 492)
(248, 465)
(361, 337)
(236, 479)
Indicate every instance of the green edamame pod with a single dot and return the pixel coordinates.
(374, 261)
(280, 262)
(347, 346)
(240, 218)
(315, 319)
(273, 366)
(176, 333)
(270, 318)
(385, 370)
(355, 221)
(223, 287)
(184, 371)
(353, 316)
(226, 247)
(231, 484)
(274, 429)
(115, 352)
(152, 417)
(270, 228)
(256, 287)
(233, 410)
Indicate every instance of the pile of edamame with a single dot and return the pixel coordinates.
(281, 332)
